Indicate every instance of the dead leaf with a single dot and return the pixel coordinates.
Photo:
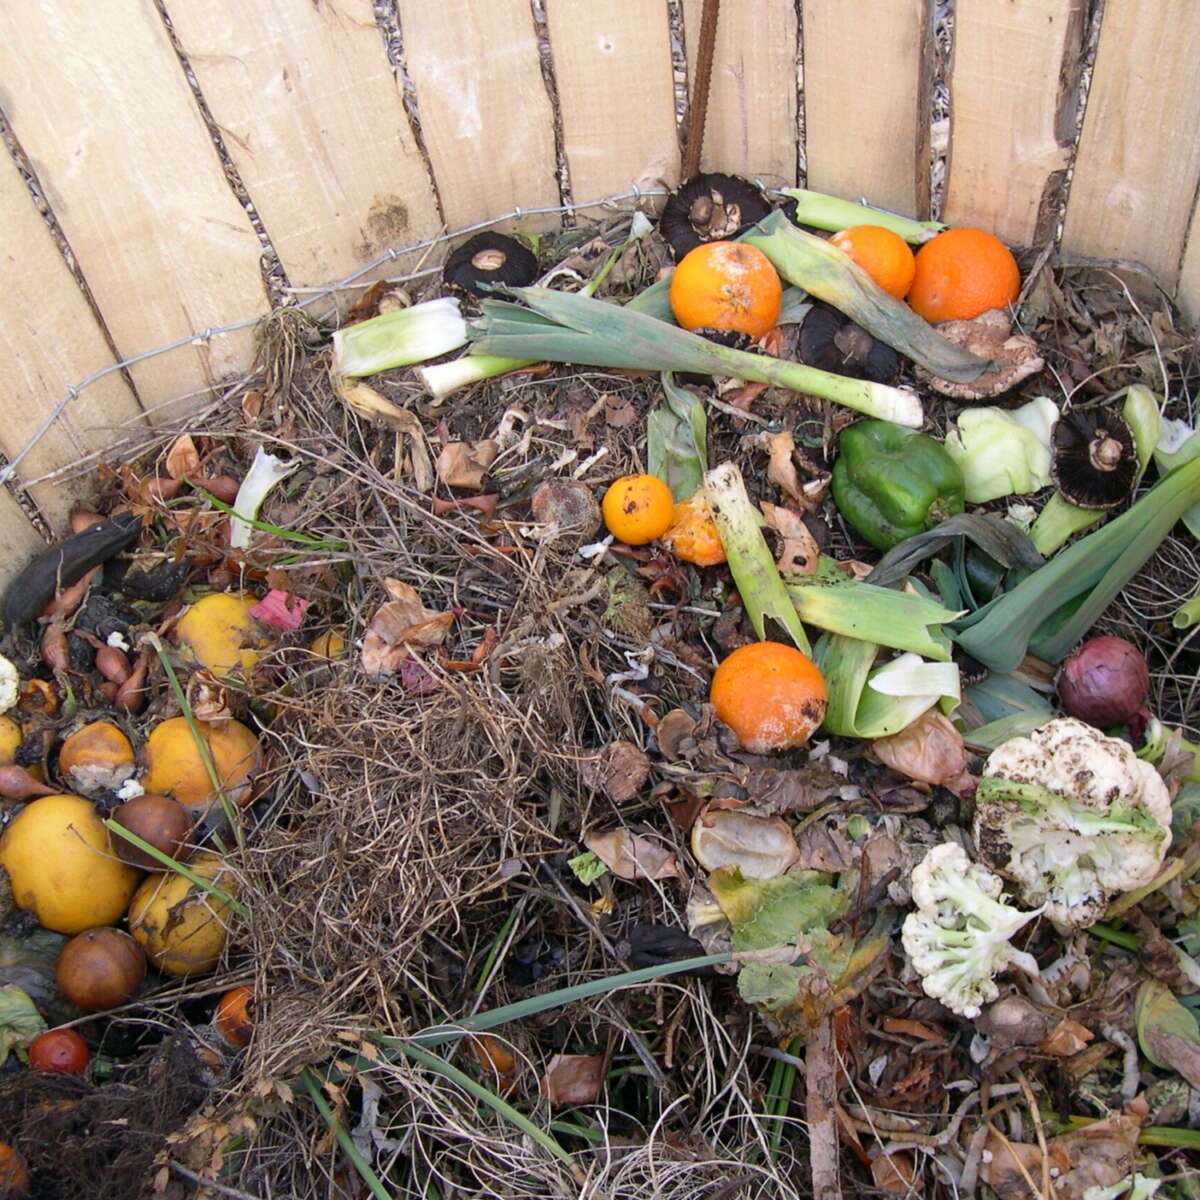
(913, 1028)
(574, 1078)
(620, 769)
(618, 412)
(1007, 1166)
(822, 845)
(800, 552)
(930, 750)
(1066, 1038)
(631, 857)
(464, 464)
(207, 697)
(183, 459)
(1098, 1155)
(894, 1173)
(674, 734)
(398, 626)
(781, 469)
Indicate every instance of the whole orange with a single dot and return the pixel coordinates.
(637, 509)
(884, 256)
(961, 273)
(726, 285)
(771, 695)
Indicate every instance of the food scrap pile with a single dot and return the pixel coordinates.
(696, 704)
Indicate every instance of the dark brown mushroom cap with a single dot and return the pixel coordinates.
(488, 259)
(710, 208)
(831, 341)
(1093, 458)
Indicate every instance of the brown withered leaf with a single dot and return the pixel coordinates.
(465, 464)
(400, 625)
(208, 697)
(784, 790)
(574, 1078)
(620, 770)
(930, 750)
(1097, 1155)
(674, 733)
(800, 552)
(1065, 1039)
(894, 1174)
(618, 412)
(1158, 955)
(183, 459)
(629, 856)
(781, 467)
(824, 846)
(1007, 1165)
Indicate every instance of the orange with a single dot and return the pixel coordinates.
(962, 273)
(692, 536)
(234, 1016)
(637, 509)
(771, 695)
(14, 1174)
(726, 285)
(884, 256)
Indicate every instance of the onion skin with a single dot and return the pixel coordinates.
(1105, 682)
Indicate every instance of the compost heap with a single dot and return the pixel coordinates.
(449, 703)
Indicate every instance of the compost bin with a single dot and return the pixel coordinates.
(457, 872)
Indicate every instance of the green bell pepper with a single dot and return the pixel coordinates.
(891, 483)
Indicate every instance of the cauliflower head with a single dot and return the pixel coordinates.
(1073, 818)
(958, 938)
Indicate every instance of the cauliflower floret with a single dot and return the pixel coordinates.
(958, 938)
(1073, 817)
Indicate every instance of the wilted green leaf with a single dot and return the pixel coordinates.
(587, 867)
(20, 1021)
(676, 434)
(775, 912)
(1168, 1033)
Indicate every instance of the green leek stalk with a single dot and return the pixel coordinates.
(824, 271)
(1051, 609)
(561, 327)
(399, 339)
(1170, 459)
(751, 562)
(1059, 519)
(1188, 613)
(443, 379)
(901, 620)
(822, 211)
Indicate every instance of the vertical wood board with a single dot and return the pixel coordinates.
(1139, 157)
(1187, 294)
(485, 115)
(52, 343)
(750, 128)
(616, 94)
(866, 101)
(100, 104)
(313, 117)
(1006, 93)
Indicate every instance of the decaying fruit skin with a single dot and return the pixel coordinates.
(96, 758)
(174, 767)
(159, 820)
(100, 968)
(60, 862)
(219, 633)
(181, 927)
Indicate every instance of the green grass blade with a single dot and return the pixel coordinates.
(494, 1102)
(351, 1151)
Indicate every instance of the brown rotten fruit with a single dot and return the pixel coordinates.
(100, 968)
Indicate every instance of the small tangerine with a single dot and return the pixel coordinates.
(726, 285)
(14, 1174)
(234, 1017)
(883, 254)
(771, 695)
(962, 273)
(692, 536)
(637, 509)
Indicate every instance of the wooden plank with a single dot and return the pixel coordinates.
(750, 127)
(1187, 294)
(19, 540)
(485, 115)
(866, 107)
(616, 94)
(97, 97)
(313, 116)
(1008, 137)
(52, 342)
(1139, 158)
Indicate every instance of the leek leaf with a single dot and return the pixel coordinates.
(676, 440)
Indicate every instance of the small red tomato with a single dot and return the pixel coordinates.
(61, 1050)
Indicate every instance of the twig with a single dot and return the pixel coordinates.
(821, 1111)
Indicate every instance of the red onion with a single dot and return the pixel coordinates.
(1105, 682)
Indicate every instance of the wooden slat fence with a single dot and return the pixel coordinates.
(156, 152)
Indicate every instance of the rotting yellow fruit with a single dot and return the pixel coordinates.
(10, 741)
(175, 768)
(96, 758)
(181, 927)
(219, 633)
(330, 644)
(60, 862)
